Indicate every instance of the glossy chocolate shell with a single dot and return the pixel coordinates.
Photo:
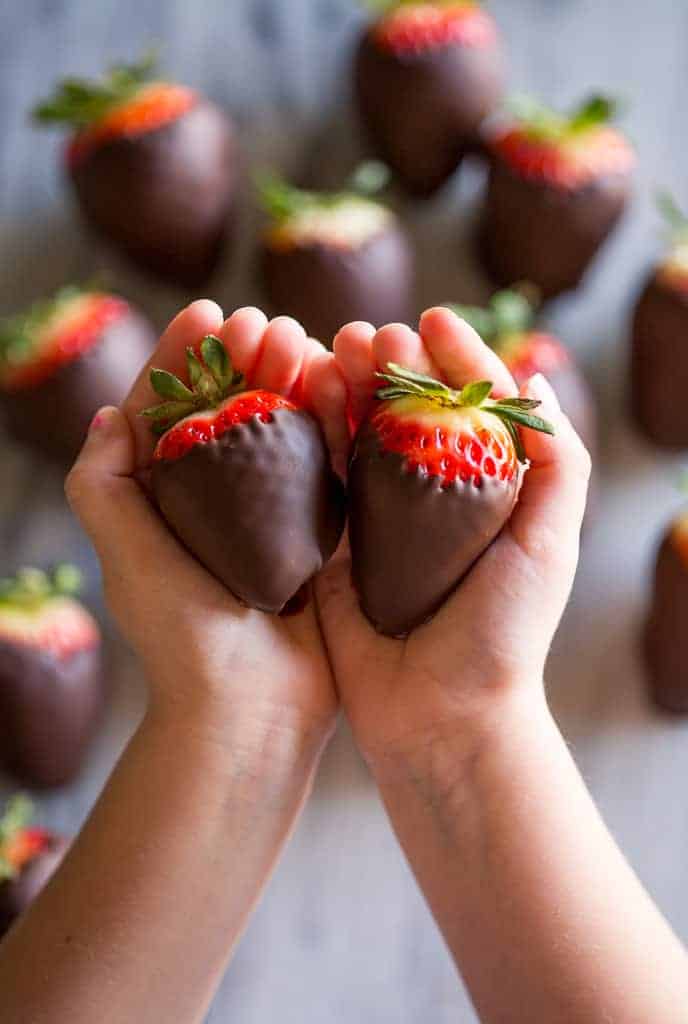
(412, 540)
(260, 507)
(165, 198)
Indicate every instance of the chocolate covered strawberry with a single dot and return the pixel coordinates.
(29, 856)
(659, 358)
(330, 258)
(243, 477)
(508, 326)
(666, 637)
(64, 358)
(154, 166)
(427, 74)
(51, 690)
(558, 185)
(432, 480)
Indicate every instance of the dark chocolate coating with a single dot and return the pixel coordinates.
(423, 110)
(412, 540)
(165, 197)
(49, 710)
(17, 894)
(659, 365)
(53, 417)
(532, 231)
(260, 507)
(666, 635)
(325, 286)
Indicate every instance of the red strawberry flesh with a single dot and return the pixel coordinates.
(414, 28)
(153, 106)
(199, 428)
(75, 325)
(569, 163)
(24, 845)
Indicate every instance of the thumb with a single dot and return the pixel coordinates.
(125, 529)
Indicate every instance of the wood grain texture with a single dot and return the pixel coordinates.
(342, 934)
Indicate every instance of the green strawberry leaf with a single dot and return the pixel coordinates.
(168, 386)
(595, 110)
(369, 178)
(216, 359)
(475, 394)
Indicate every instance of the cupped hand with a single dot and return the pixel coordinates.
(202, 650)
(490, 639)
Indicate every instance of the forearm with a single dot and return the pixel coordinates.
(544, 917)
(140, 921)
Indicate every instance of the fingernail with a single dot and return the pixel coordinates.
(101, 421)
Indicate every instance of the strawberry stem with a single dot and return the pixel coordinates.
(81, 101)
(513, 412)
(17, 815)
(212, 379)
(282, 201)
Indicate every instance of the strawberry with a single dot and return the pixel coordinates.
(507, 325)
(433, 478)
(666, 641)
(658, 363)
(154, 166)
(558, 185)
(329, 258)
(50, 681)
(62, 359)
(427, 75)
(243, 478)
(28, 857)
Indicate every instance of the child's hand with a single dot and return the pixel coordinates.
(490, 640)
(205, 654)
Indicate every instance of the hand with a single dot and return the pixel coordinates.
(208, 658)
(489, 641)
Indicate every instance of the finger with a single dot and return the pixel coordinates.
(460, 354)
(325, 395)
(281, 355)
(549, 512)
(188, 328)
(242, 335)
(353, 353)
(313, 350)
(397, 343)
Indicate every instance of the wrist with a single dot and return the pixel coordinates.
(457, 745)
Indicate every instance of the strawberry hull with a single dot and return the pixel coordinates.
(53, 416)
(666, 638)
(326, 286)
(405, 565)
(423, 109)
(259, 507)
(659, 364)
(165, 197)
(546, 234)
(17, 894)
(49, 710)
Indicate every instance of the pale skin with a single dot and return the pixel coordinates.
(542, 915)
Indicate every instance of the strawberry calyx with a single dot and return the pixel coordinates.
(183, 419)
(413, 26)
(565, 149)
(53, 332)
(30, 588)
(347, 216)
(125, 102)
(19, 844)
(40, 610)
(512, 413)
(673, 269)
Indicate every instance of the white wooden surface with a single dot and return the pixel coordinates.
(342, 934)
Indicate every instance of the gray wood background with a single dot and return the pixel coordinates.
(342, 934)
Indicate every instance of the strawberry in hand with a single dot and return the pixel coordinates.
(432, 480)
(244, 480)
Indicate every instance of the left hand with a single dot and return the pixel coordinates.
(208, 658)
